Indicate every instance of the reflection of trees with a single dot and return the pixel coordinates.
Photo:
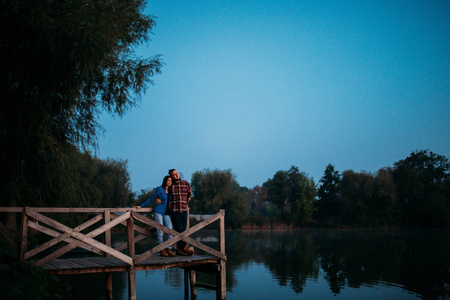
(417, 260)
(332, 267)
(293, 259)
(240, 251)
(425, 263)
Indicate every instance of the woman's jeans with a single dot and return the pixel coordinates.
(179, 224)
(166, 221)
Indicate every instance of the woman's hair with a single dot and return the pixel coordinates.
(165, 181)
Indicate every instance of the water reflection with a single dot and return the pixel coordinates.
(416, 260)
(375, 263)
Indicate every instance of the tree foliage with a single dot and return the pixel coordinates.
(277, 190)
(301, 196)
(385, 195)
(293, 193)
(61, 64)
(113, 180)
(258, 201)
(422, 181)
(356, 198)
(329, 196)
(218, 189)
(357, 190)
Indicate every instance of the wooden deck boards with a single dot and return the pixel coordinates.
(103, 264)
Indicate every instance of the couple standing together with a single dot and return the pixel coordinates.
(172, 200)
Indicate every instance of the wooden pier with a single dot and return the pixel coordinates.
(104, 258)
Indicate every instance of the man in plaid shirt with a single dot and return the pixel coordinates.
(179, 195)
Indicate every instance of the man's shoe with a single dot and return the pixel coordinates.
(169, 251)
(164, 253)
(181, 252)
(188, 251)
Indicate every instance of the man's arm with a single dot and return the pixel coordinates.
(188, 192)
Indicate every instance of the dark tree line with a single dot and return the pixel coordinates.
(414, 192)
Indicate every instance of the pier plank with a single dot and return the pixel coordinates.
(112, 264)
(89, 263)
(50, 266)
(94, 261)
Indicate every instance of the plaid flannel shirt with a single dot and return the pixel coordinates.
(180, 195)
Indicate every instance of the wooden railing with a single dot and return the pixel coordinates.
(34, 218)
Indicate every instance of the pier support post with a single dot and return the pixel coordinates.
(132, 283)
(108, 281)
(193, 281)
(222, 276)
(186, 284)
(108, 275)
(131, 253)
(221, 282)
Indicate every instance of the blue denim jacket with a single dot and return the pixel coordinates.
(160, 192)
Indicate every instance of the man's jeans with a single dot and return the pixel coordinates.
(166, 221)
(179, 224)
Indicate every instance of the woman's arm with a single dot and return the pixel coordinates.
(152, 197)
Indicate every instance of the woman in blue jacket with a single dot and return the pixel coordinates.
(162, 213)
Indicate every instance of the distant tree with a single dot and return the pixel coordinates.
(294, 187)
(61, 64)
(367, 199)
(357, 191)
(278, 190)
(209, 189)
(301, 196)
(258, 201)
(293, 193)
(422, 181)
(218, 189)
(113, 180)
(236, 206)
(385, 195)
(329, 195)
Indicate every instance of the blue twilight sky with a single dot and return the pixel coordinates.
(257, 86)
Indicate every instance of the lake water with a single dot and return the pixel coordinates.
(306, 264)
